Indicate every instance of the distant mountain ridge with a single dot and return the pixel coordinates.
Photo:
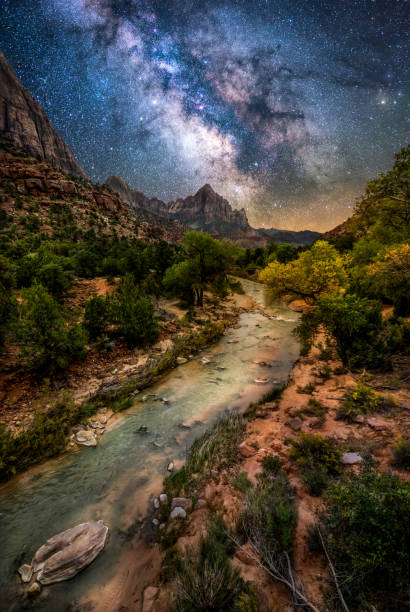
(210, 212)
(206, 211)
(24, 122)
(298, 238)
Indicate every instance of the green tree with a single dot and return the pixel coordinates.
(356, 325)
(54, 278)
(206, 259)
(47, 338)
(98, 312)
(317, 270)
(134, 313)
(286, 253)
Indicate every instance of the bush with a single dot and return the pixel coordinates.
(401, 454)
(241, 482)
(365, 526)
(46, 338)
(45, 437)
(206, 580)
(97, 315)
(215, 449)
(356, 324)
(8, 309)
(134, 314)
(269, 519)
(54, 279)
(363, 400)
(319, 459)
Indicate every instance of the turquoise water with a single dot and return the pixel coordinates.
(116, 480)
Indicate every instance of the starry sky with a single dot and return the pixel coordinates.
(286, 107)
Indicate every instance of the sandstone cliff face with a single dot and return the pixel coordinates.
(30, 177)
(206, 210)
(207, 207)
(23, 121)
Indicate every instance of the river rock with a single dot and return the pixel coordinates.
(376, 423)
(68, 552)
(86, 438)
(103, 419)
(182, 502)
(156, 503)
(26, 572)
(150, 595)
(34, 589)
(177, 513)
(181, 360)
(155, 522)
(246, 450)
(351, 458)
(170, 466)
(163, 498)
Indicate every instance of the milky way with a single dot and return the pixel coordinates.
(285, 107)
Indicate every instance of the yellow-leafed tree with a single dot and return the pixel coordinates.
(316, 271)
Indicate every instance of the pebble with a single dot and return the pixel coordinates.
(156, 503)
(34, 589)
(163, 498)
(26, 572)
(170, 466)
(352, 458)
(177, 513)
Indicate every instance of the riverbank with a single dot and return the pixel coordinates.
(57, 420)
(310, 404)
(115, 481)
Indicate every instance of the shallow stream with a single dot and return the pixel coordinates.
(116, 480)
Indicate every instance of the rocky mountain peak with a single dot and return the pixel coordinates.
(25, 124)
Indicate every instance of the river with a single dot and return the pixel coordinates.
(116, 480)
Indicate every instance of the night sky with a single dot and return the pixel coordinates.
(285, 107)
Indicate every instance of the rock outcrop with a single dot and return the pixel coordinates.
(67, 553)
(25, 124)
(206, 210)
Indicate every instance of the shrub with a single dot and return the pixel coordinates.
(206, 579)
(314, 409)
(240, 481)
(356, 324)
(45, 437)
(365, 526)
(319, 459)
(135, 314)
(269, 518)
(97, 315)
(401, 454)
(54, 279)
(8, 309)
(215, 449)
(363, 400)
(44, 334)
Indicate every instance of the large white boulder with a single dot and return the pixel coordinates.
(68, 552)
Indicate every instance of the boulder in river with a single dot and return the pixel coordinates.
(26, 572)
(85, 438)
(68, 552)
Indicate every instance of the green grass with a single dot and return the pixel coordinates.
(240, 481)
(214, 450)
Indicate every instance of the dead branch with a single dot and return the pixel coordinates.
(333, 572)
